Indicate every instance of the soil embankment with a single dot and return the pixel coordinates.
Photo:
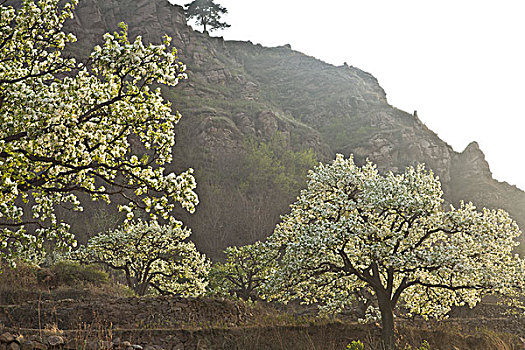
(203, 323)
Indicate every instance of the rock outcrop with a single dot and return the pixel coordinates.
(471, 163)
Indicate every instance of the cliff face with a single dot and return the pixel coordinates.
(240, 97)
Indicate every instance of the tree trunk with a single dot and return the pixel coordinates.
(387, 321)
(129, 282)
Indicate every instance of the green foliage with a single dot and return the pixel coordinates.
(346, 133)
(239, 182)
(66, 127)
(355, 345)
(151, 256)
(274, 165)
(207, 14)
(424, 346)
(242, 274)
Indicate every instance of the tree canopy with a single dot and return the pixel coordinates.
(207, 14)
(353, 228)
(66, 127)
(243, 273)
(150, 255)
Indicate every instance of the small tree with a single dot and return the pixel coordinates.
(67, 127)
(245, 270)
(353, 228)
(150, 255)
(207, 14)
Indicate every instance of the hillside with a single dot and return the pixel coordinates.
(256, 118)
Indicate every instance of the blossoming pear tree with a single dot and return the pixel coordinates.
(353, 228)
(150, 255)
(67, 127)
(243, 273)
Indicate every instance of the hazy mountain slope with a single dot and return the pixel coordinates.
(250, 115)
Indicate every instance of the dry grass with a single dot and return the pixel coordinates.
(63, 280)
(263, 326)
(445, 337)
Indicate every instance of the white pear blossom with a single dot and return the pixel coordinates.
(353, 228)
(95, 128)
(153, 257)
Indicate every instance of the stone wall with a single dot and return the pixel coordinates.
(127, 313)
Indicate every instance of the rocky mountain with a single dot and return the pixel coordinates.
(256, 118)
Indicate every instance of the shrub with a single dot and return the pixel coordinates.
(71, 273)
(355, 345)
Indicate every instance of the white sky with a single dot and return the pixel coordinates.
(459, 63)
